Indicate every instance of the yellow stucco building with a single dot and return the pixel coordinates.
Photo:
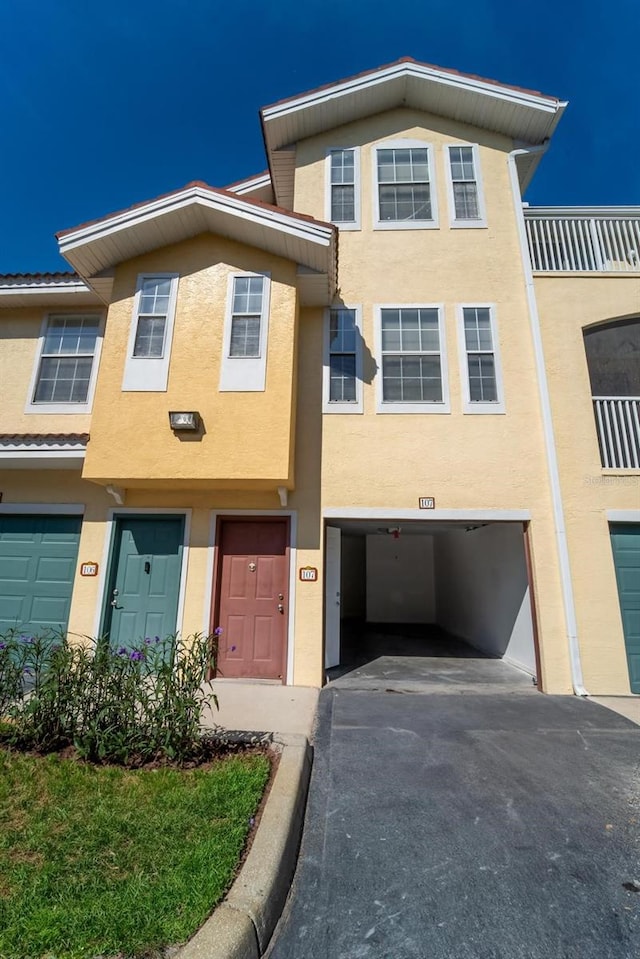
(369, 391)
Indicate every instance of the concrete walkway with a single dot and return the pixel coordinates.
(453, 822)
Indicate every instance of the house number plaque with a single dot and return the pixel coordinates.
(426, 502)
(89, 569)
(308, 574)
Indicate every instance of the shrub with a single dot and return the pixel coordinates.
(125, 705)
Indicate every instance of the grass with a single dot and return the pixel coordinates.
(106, 861)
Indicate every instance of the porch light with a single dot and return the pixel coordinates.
(184, 420)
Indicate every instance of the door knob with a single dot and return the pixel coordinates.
(280, 608)
(114, 601)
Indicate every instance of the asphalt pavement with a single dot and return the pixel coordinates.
(453, 823)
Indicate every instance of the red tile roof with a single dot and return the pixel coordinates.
(60, 438)
(46, 277)
(420, 63)
(203, 186)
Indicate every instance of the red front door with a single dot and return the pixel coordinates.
(253, 572)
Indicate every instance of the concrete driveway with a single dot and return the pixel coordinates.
(476, 820)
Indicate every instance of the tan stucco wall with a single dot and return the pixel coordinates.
(466, 461)
(247, 435)
(568, 304)
(19, 335)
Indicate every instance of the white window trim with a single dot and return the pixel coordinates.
(481, 222)
(379, 224)
(150, 374)
(75, 408)
(329, 406)
(356, 223)
(426, 408)
(467, 405)
(245, 374)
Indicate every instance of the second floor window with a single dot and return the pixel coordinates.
(481, 365)
(411, 356)
(152, 317)
(66, 360)
(404, 186)
(246, 312)
(343, 335)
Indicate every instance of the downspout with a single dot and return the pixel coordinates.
(547, 425)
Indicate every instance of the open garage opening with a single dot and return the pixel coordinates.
(400, 592)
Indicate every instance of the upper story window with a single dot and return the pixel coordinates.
(465, 194)
(67, 362)
(246, 313)
(244, 358)
(613, 359)
(343, 188)
(342, 361)
(152, 316)
(411, 347)
(405, 197)
(151, 333)
(480, 361)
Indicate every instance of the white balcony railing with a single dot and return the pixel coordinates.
(618, 423)
(584, 240)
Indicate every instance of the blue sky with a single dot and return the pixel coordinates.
(107, 104)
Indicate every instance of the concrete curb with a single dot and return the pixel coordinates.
(242, 925)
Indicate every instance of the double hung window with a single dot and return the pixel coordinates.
(66, 363)
(343, 188)
(151, 334)
(244, 350)
(465, 196)
(343, 351)
(480, 360)
(405, 195)
(411, 352)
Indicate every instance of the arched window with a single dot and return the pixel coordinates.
(613, 358)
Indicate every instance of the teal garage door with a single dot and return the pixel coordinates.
(626, 553)
(38, 556)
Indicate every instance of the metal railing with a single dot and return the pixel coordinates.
(599, 243)
(618, 424)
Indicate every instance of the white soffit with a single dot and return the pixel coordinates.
(96, 247)
(519, 114)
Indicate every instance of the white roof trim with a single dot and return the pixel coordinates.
(251, 184)
(33, 288)
(313, 232)
(420, 71)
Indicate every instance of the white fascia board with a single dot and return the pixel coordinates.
(314, 233)
(42, 289)
(251, 184)
(420, 72)
(462, 515)
(42, 452)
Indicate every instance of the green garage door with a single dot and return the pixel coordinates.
(626, 553)
(38, 556)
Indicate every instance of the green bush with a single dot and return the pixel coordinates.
(124, 705)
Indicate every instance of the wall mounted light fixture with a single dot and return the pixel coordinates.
(184, 420)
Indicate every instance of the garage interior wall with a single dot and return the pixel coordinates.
(472, 583)
(483, 591)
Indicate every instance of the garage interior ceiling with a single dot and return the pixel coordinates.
(426, 527)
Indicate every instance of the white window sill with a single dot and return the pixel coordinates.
(425, 408)
(406, 225)
(355, 407)
(58, 408)
(346, 226)
(483, 408)
(468, 225)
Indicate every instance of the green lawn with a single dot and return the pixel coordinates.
(105, 861)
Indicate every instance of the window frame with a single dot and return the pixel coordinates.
(332, 406)
(150, 374)
(245, 374)
(356, 223)
(469, 405)
(56, 407)
(455, 224)
(425, 407)
(404, 144)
